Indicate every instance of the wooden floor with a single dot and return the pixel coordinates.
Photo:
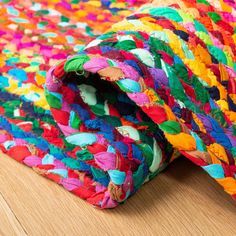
(181, 201)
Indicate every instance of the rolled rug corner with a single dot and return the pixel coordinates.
(158, 84)
(101, 118)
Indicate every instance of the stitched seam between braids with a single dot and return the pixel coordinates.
(26, 106)
(40, 125)
(16, 88)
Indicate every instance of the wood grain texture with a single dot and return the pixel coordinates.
(183, 200)
(9, 223)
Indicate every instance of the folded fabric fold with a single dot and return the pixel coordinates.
(185, 109)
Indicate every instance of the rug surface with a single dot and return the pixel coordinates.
(100, 96)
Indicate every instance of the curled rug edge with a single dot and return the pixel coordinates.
(155, 58)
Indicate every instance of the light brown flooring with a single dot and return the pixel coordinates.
(181, 201)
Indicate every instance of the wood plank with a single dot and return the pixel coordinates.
(183, 200)
(9, 224)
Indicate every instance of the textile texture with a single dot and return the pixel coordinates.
(100, 96)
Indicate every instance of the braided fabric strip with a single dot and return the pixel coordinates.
(177, 69)
(156, 85)
(34, 36)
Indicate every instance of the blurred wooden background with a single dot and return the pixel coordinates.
(183, 200)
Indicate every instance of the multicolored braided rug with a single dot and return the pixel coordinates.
(100, 96)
